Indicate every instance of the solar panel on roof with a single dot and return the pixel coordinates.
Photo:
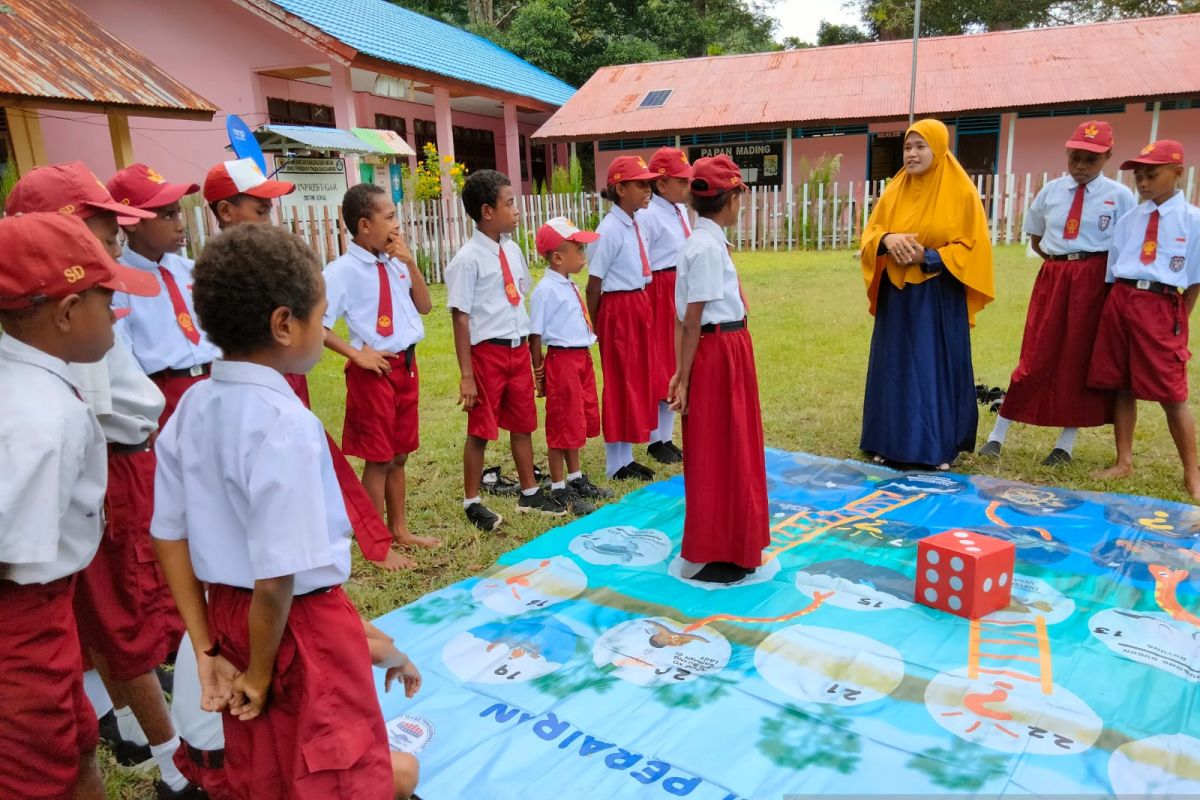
(655, 99)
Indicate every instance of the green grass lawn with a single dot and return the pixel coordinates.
(811, 333)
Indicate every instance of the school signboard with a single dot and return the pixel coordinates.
(761, 163)
(319, 181)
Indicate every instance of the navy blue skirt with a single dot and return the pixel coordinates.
(920, 405)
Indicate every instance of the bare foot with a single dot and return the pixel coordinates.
(1115, 471)
(1192, 482)
(394, 562)
(406, 539)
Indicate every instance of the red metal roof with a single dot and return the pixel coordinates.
(1072, 65)
(51, 51)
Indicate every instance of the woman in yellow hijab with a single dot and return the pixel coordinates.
(927, 265)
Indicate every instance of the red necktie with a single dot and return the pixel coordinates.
(1150, 243)
(510, 288)
(583, 307)
(181, 312)
(1071, 229)
(383, 323)
(641, 251)
(683, 223)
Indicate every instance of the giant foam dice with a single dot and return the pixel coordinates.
(965, 573)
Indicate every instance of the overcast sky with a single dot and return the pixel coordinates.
(800, 18)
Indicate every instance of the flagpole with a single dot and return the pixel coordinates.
(912, 89)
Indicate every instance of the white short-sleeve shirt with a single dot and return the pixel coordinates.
(707, 275)
(665, 227)
(352, 287)
(475, 285)
(1104, 202)
(556, 314)
(55, 469)
(614, 258)
(246, 477)
(1177, 257)
(125, 401)
(158, 341)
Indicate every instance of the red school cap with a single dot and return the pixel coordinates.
(670, 162)
(1095, 136)
(143, 187)
(242, 177)
(49, 255)
(1164, 151)
(629, 168)
(559, 230)
(711, 176)
(68, 189)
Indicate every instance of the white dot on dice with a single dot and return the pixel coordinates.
(930, 595)
(974, 550)
(932, 557)
(956, 564)
(1003, 578)
(961, 535)
(954, 603)
(987, 584)
(967, 543)
(931, 575)
(956, 583)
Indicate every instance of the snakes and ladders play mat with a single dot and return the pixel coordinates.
(583, 666)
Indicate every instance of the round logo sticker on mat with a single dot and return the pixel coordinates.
(409, 734)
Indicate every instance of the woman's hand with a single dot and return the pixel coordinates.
(904, 248)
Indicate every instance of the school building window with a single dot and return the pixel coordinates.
(475, 147)
(1176, 105)
(296, 112)
(425, 132)
(1094, 110)
(386, 122)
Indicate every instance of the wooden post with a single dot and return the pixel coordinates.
(25, 131)
(122, 144)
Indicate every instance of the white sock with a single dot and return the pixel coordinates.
(666, 423)
(1066, 439)
(470, 501)
(94, 688)
(1000, 431)
(559, 485)
(128, 726)
(164, 757)
(530, 492)
(627, 452)
(574, 476)
(616, 455)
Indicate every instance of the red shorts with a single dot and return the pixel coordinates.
(299, 384)
(48, 723)
(1142, 345)
(122, 603)
(209, 778)
(662, 336)
(381, 412)
(630, 408)
(322, 733)
(173, 388)
(373, 536)
(504, 382)
(572, 407)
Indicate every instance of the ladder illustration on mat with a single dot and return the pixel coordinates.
(807, 524)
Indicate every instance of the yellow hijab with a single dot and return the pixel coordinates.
(942, 207)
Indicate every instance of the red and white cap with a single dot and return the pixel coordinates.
(143, 187)
(629, 168)
(242, 177)
(70, 189)
(1095, 136)
(1164, 151)
(49, 255)
(559, 230)
(711, 176)
(670, 162)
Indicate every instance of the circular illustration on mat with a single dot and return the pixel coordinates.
(1172, 521)
(1034, 501)
(409, 734)
(658, 650)
(1012, 712)
(761, 575)
(531, 585)
(510, 651)
(857, 585)
(1167, 765)
(924, 483)
(622, 544)
(833, 667)
(1034, 545)
(1033, 597)
(1151, 638)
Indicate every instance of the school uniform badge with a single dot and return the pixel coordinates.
(1104, 221)
(1177, 263)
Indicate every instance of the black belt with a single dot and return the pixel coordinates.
(565, 347)
(207, 759)
(664, 269)
(624, 291)
(511, 344)
(119, 448)
(723, 327)
(322, 590)
(1151, 286)
(1074, 256)
(410, 356)
(190, 372)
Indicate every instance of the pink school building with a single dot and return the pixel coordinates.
(1010, 98)
(314, 62)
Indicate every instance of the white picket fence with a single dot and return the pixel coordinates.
(809, 217)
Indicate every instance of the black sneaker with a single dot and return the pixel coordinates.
(588, 490)
(483, 517)
(628, 473)
(110, 733)
(721, 572)
(641, 469)
(128, 754)
(676, 450)
(574, 503)
(662, 453)
(189, 792)
(498, 484)
(1057, 457)
(990, 449)
(541, 503)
